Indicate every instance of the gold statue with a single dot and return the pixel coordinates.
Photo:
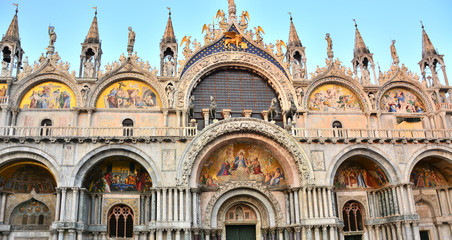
(207, 37)
(187, 51)
(279, 53)
(235, 39)
(244, 18)
(220, 15)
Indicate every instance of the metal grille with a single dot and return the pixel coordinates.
(237, 90)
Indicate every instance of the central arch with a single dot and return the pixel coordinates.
(206, 140)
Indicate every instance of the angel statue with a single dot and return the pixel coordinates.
(221, 16)
(52, 36)
(244, 19)
(259, 39)
(208, 36)
(279, 53)
(187, 51)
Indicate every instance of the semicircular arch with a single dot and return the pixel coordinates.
(257, 192)
(417, 90)
(12, 154)
(102, 86)
(195, 73)
(351, 86)
(377, 156)
(97, 155)
(29, 84)
(196, 149)
(444, 153)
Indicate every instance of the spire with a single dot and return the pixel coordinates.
(360, 46)
(168, 36)
(427, 46)
(294, 40)
(93, 33)
(12, 34)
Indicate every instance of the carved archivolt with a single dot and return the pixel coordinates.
(251, 186)
(232, 125)
(128, 76)
(275, 76)
(246, 200)
(335, 80)
(26, 86)
(403, 84)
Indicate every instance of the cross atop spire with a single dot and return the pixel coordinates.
(294, 40)
(93, 33)
(168, 36)
(427, 46)
(360, 46)
(12, 34)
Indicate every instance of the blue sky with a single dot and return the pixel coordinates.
(379, 22)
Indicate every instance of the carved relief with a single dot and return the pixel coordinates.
(168, 159)
(318, 161)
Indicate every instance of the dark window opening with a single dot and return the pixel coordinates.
(235, 89)
(46, 131)
(353, 218)
(128, 125)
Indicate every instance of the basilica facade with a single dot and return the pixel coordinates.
(233, 139)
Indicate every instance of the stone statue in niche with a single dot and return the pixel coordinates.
(84, 92)
(5, 72)
(89, 68)
(297, 71)
(168, 67)
(300, 95)
(170, 92)
(191, 107)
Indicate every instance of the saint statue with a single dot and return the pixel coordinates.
(330, 42)
(52, 36)
(131, 37)
(213, 108)
(394, 55)
(231, 2)
(170, 92)
(168, 67)
(5, 71)
(89, 68)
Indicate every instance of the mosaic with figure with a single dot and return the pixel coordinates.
(424, 175)
(401, 101)
(118, 175)
(360, 175)
(26, 176)
(242, 161)
(3, 88)
(49, 95)
(129, 94)
(332, 98)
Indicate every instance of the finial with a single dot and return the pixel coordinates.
(95, 13)
(290, 14)
(422, 25)
(169, 9)
(378, 66)
(356, 25)
(17, 7)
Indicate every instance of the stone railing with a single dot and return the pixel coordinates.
(4, 100)
(340, 133)
(444, 106)
(101, 132)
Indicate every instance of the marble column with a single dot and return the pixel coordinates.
(297, 233)
(316, 233)
(416, 231)
(310, 203)
(71, 234)
(170, 204)
(280, 233)
(169, 234)
(324, 233)
(164, 205)
(99, 210)
(291, 207)
(315, 203)
(2, 211)
(399, 230)
(296, 206)
(75, 192)
(153, 205)
(333, 233)
(304, 204)
(330, 202)
(320, 202)
(79, 235)
(159, 234)
(325, 202)
(181, 205)
(195, 209)
(439, 229)
(63, 204)
(303, 233)
(409, 234)
(57, 207)
(187, 204)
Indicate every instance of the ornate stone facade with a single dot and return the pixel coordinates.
(165, 165)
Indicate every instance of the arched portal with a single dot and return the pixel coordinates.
(431, 178)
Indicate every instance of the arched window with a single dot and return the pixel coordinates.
(235, 89)
(127, 124)
(120, 222)
(353, 218)
(337, 124)
(45, 131)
